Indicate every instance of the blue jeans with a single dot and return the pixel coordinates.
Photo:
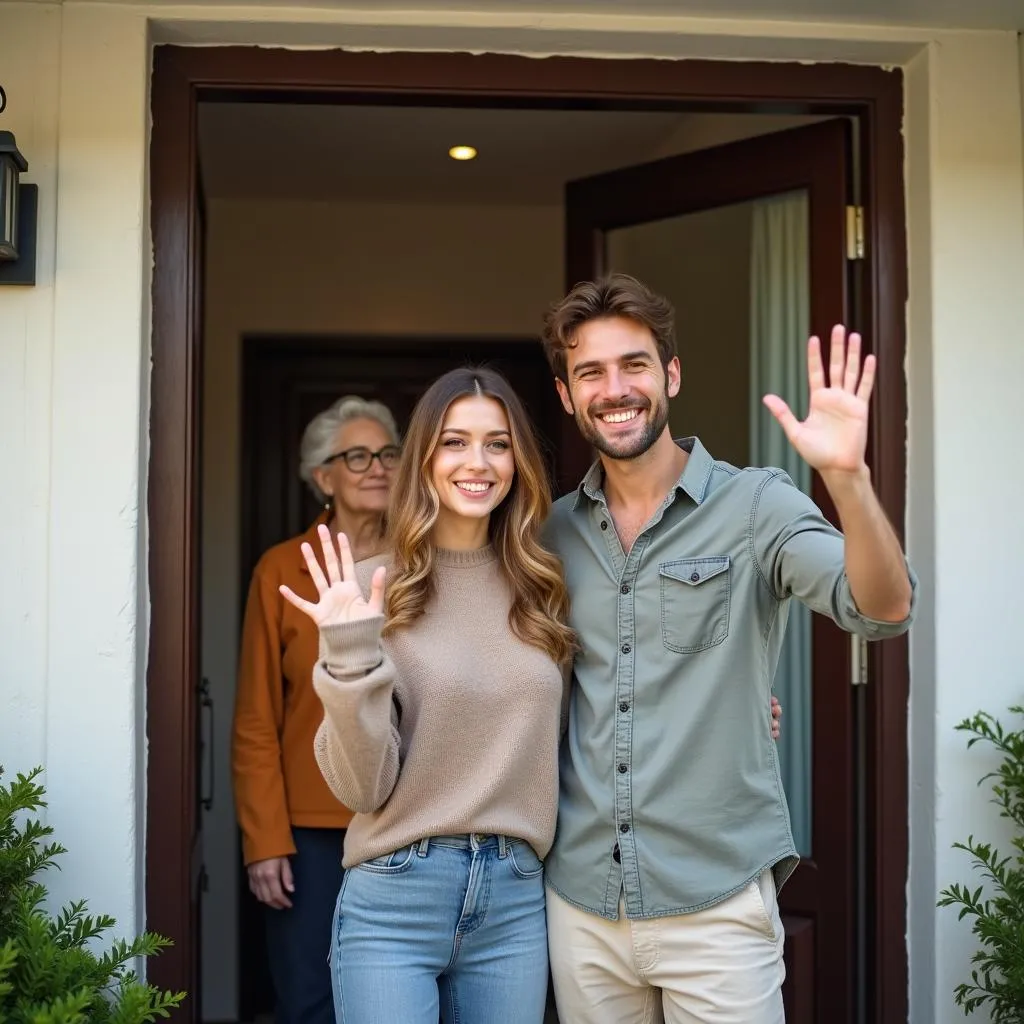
(451, 926)
(298, 939)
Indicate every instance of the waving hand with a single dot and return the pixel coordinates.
(341, 598)
(834, 436)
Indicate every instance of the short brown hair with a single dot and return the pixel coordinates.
(614, 295)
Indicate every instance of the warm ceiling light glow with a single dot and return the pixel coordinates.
(462, 153)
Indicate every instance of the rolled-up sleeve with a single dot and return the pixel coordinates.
(800, 554)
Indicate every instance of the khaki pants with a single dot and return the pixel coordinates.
(722, 965)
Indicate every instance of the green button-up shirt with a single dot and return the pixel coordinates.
(671, 794)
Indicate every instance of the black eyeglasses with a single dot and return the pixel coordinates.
(359, 460)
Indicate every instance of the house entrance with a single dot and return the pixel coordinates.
(372, 252)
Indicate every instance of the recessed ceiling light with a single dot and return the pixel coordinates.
(462, 153)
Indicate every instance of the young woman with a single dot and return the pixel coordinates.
(441, 675)
(292, 825)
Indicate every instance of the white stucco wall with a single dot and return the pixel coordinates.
(29, 39)
(925, 723)
(966, 357)
(73, 408)
(72, 351)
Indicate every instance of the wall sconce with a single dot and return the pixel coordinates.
(18, 209)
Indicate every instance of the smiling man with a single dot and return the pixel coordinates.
(673, 830)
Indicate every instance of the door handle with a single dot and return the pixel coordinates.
(206, 746)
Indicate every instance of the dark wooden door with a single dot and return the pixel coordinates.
(286, 382)
(819, 902)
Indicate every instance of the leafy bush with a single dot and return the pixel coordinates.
(997, 979)
(50, 970)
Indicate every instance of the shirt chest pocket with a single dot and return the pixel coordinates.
(695, 594)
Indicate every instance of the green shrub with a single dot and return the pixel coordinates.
(50, 969)
(997, 979)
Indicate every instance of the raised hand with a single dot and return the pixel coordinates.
(341, 599)
(835, 434)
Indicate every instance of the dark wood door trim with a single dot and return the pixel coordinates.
(183, 76)
(882, 277)
(173, 510)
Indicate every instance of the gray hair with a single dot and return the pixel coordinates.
(321, 433)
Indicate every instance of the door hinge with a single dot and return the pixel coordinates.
(855, 232)
(858, 661)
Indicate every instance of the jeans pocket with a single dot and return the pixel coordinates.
(393, 863)
(695, 596)
(336, 920)
(524, 861)
(762, 889)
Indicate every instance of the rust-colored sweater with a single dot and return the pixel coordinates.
(277, 712)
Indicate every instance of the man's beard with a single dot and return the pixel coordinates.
(627, 448)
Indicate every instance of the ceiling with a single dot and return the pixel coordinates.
(980, 14)
(367, 153)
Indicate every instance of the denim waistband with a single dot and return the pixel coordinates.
(468, 841)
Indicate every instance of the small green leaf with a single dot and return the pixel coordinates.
(52, 969)
(996, 908)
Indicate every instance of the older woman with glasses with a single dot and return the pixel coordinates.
(292, 826)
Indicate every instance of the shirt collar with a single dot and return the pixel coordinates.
(693, 480)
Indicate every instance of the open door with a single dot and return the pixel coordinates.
(628, 220)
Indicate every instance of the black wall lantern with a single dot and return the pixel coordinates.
(18, 207)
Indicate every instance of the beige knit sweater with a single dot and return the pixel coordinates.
(446, 727)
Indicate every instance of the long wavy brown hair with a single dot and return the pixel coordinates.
(540, 601)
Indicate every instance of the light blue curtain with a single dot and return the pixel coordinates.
(779, 323)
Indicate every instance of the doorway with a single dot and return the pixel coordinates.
(824, 987)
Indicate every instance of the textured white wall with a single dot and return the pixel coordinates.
(71, 406)
(29, 40)
(97, 607)
(966, 362)
(72, 638)
(924, 720)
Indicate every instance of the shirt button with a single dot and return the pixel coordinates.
(623, 828)
(624, 589)
(623, 769)
(623, 707)
(604, 524)
(626, 648)
(694, 577)
(615, 854)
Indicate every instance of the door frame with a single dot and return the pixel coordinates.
(184, 76)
